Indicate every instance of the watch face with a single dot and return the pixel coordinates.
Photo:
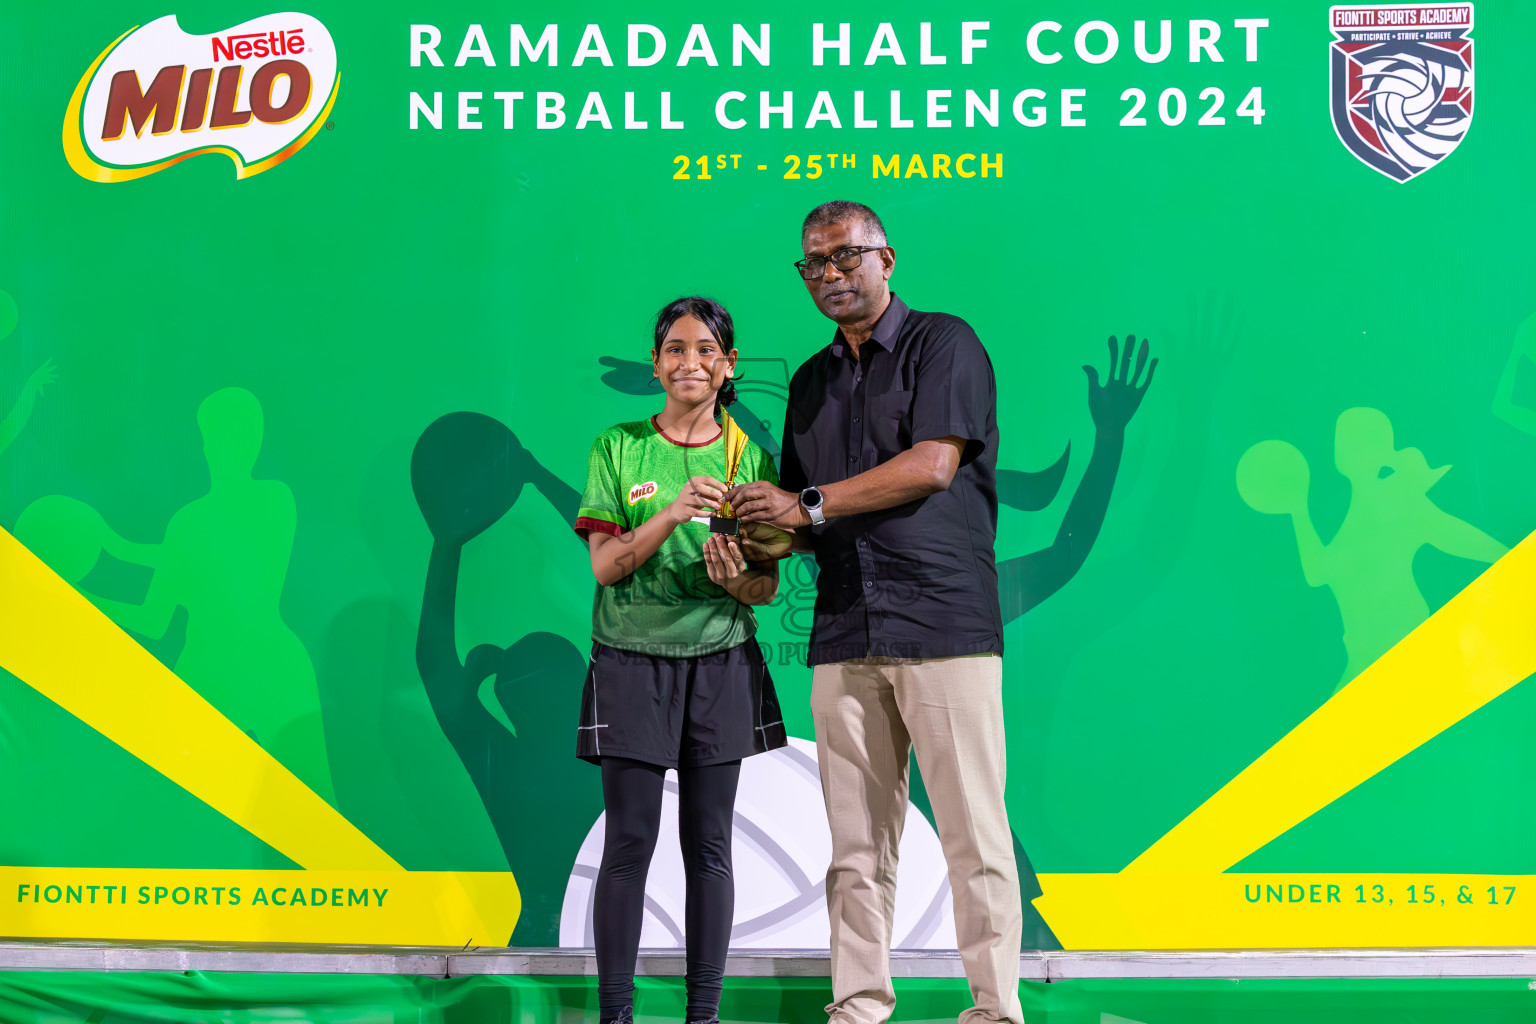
(810, 497)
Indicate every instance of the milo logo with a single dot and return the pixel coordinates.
(256, 93)
(640, 492)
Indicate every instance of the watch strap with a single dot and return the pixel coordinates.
(813, 511)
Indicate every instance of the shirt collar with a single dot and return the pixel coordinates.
(885, 332)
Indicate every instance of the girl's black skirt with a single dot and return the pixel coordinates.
(678, 712)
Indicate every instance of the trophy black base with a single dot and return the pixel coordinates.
(718, 524)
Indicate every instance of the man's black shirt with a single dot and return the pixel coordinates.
(918, 580)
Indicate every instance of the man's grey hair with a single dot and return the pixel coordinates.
(839, 210)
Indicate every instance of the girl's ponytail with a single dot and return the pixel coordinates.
(725, 396)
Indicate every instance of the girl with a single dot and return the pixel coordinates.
(676, 678)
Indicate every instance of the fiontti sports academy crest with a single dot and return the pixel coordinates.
(1401, 83)
(158, 95)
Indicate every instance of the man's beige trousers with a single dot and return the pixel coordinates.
(870, 713)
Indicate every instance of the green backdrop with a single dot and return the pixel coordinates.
(334, 309)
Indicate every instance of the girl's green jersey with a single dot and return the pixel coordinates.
(668, 606)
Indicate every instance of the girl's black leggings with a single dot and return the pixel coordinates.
(632, 801)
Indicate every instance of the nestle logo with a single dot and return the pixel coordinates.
(149, 100)
(246, 45)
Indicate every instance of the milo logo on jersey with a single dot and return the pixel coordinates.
(640, 492)
(1401, 83)
(256, 93)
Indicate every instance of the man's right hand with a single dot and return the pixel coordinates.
(762, 502)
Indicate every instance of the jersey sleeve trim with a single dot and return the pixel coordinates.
(592, 519)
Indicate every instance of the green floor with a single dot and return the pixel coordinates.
(197, 998)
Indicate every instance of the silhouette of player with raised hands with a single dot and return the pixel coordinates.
(1369, 563)
(21, 411)
(1025, 581)
(40, 378)
(508, 711)
(1513, 403)
(224, 559)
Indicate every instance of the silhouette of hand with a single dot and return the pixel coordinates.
(42, 377)
(1116, 401)
(629, 376)
(1212, 331)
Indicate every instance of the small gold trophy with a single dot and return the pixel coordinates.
(735, 445)
(774, 542)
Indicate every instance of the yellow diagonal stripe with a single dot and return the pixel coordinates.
(1477, 646)
(64, 647)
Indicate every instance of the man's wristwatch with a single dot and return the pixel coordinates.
(810, 500)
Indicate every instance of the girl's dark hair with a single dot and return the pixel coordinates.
(712, 315)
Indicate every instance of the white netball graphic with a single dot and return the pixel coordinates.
(781, 847)
(1406, 93)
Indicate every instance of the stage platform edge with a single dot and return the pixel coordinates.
(273, 958)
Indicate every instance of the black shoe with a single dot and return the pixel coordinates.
(712, 1020)
(626, 1016)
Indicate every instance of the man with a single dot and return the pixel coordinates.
(889, 473)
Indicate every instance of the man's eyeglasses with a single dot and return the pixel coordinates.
(813, 267)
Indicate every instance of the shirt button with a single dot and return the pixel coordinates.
(855, 419)
(853, 458)
(863, 543)
(869, 583)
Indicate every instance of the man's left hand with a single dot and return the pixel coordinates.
(761, 502)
